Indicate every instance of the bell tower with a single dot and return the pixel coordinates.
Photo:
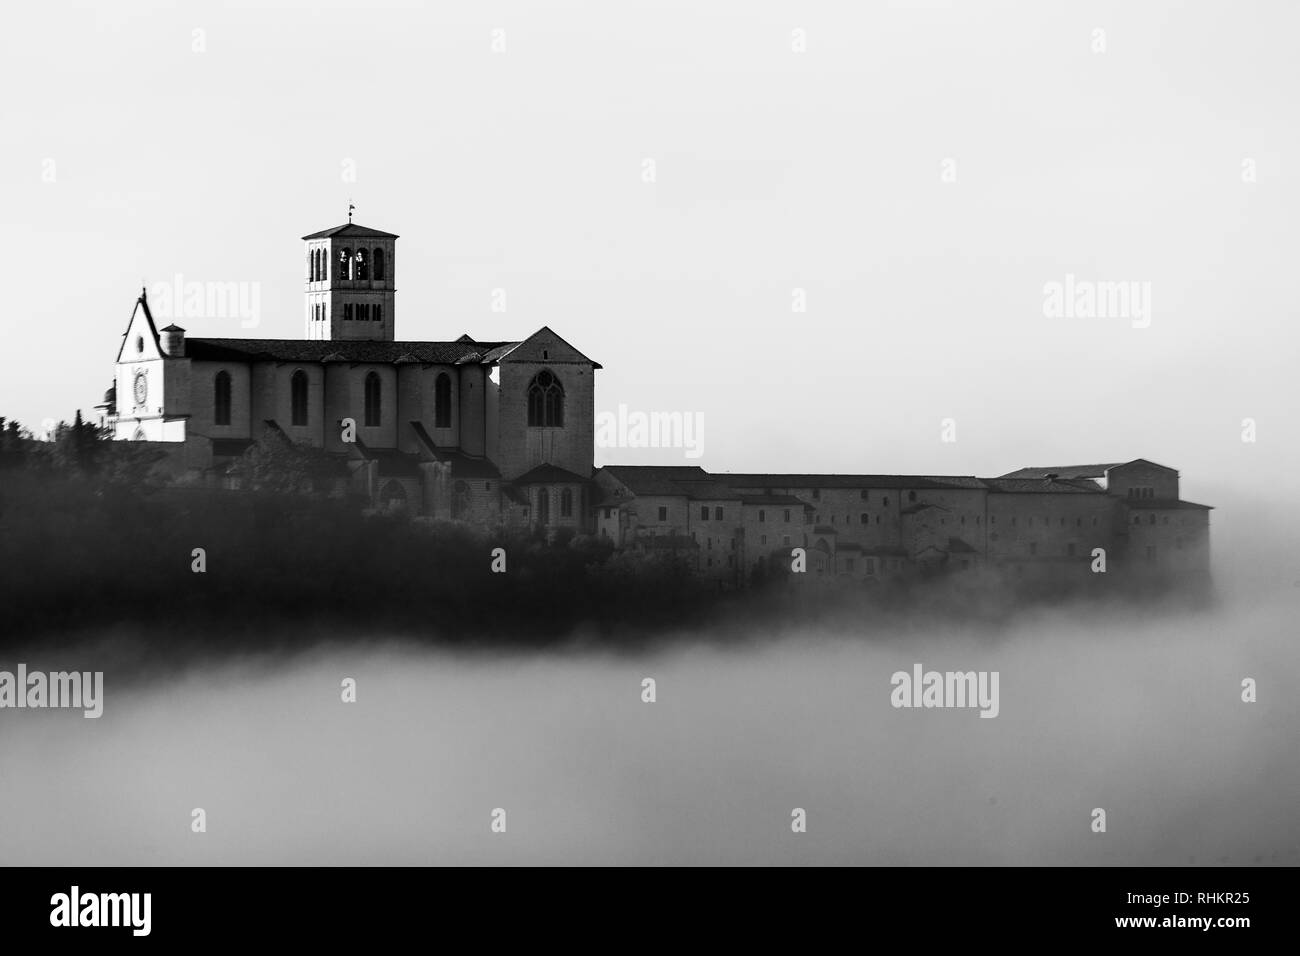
(349, 291)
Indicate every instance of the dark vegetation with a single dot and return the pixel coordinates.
(93, 538)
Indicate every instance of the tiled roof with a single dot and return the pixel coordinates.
(1064, 471)
(467, 466)
(548, 475)
(919, 482)
(394, 463)
(776, 500)
(350, 229)
(462, 465)
(1138, 505)
(335, 350)
(708, 489)
(657, 479)
(1022, 486)
(1083, 471)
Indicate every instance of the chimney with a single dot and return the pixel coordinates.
(173, 341)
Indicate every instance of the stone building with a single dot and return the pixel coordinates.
(1035, 524)
(493, 432)
(460, 429)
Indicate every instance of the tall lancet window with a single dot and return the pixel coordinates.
(298, 397)
(363, 264)
(221, 398)
(442, 401)
(545, 401)
(379, 263)
(345, 264)
(373, 411)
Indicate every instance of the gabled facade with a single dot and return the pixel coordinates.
(464, 429)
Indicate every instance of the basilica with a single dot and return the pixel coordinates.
(502, 433)
(463, 429)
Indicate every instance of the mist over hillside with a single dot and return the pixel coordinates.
(1134, 710)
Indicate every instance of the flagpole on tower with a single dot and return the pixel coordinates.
(350, 208)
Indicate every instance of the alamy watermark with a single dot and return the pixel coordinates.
(179, 299)
(36, 689)
(75, 908)
(1086, 299)
(946, 689)
(634, 429)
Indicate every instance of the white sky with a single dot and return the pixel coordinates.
(775, 170)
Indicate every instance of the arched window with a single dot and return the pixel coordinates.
(311, 265)
(363, 265)
(298, 397)
(865, 518)
(379, 313)
(442, 401)
(543, 506)
(324, 264)
(566, 503)
(345, 264)
(545, 401)
(221, 398)
(379, 263)
(373, 411)
(139, 434)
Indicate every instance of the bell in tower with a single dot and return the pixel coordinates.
(350, 283)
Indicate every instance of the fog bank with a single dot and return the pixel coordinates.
(1138, 714)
